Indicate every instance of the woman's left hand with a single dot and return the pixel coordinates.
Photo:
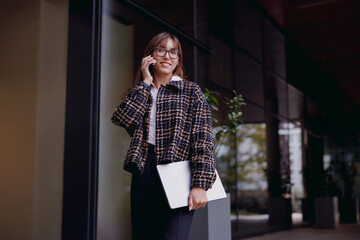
(197, 198)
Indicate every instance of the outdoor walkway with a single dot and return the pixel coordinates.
(253, 225)
(343, 232)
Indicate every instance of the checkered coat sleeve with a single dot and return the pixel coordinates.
(202, 144)
(129, 114)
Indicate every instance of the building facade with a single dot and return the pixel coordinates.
(67, 64)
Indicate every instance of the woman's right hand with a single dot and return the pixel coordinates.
(145, 64)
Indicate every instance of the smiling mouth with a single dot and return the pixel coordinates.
(165, 64)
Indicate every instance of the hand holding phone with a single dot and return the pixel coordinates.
(147, 68)
(151, 69)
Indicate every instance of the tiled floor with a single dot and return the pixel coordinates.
(343, 232)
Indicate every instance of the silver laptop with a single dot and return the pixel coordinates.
(176, 180)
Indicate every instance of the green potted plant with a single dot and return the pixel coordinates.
(233, 115)
(225, 130)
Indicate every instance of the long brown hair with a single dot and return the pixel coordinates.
(157, 41)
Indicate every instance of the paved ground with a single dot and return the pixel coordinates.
(254, 225)
(259, 221)
(343, 232)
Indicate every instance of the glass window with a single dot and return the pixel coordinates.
(248, 29)
(253, 113)
(296, 164)
(221, 65)
(284, 158)
(276, 94)
(274, 50)
(177, 12)
(312, 116)
(295, 103)
(117, 74)
(241, 163)
(249, 78)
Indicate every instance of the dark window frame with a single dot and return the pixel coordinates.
(80, 183)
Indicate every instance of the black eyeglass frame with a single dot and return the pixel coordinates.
(167, 52)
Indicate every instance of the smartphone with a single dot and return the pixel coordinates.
(151, 69)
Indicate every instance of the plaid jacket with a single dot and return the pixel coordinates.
(183, 128)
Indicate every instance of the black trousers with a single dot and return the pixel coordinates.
(152, 218)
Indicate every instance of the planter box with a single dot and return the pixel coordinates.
(307, 207)
(349, 212)
(326, 212)
(280, 211)
(212, 222)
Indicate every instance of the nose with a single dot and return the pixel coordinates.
(166, 54)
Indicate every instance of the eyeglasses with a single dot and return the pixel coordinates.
(161, 52)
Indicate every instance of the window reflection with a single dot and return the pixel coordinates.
(117, 74)
(241, 163)
(292, 132)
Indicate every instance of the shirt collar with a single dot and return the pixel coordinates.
(175, 81)
(176, 78)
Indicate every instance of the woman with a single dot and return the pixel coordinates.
(169, 121)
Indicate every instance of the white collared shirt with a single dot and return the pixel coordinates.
(152, 123)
